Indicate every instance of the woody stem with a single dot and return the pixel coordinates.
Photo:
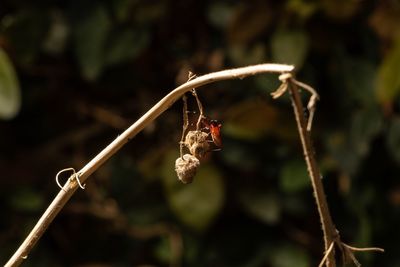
(328, 228)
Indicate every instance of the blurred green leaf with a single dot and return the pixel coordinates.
(150, 11)
(364, 232)
(303, 8)
(359, 79)
(244, 55)
(90, 33)
(289, 256)
(294, 177)
(147, 162)
(26, 30)
(267, 83)
(265, 206)
(57, 35)
(239, 155)
(351, 147)
(289, 47)
(219, 14)
(198, 203)
(342, 151)
(393, 138)
(10, 95)
(162, 250)
(365, 125)
(340, 9)
(250, 119)
(364, 238)
(388, 81)
(249, 21)
(122, 8)
(26, 200)
(125, 45)
(294, 205)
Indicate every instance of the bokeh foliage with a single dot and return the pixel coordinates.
(74, 74)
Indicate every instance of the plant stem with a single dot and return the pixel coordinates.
(328, 228)
(185, 124)
(71, 185)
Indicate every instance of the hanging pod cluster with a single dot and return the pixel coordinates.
(197, 143)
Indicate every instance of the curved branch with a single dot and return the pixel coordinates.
(71, 185)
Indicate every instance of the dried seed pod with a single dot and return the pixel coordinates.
(197, 143)
(186, 168)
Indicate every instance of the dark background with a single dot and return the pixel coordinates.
(88, 69)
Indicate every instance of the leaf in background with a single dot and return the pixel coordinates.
(125, 45)
(26, 31)
(26, 200)
(302, 8)
(388, 81)
(385, 20)
(239, 155)
(198, 203)
(351, 147)
(248, 21)
(121, 9)
(340, 9)
(264, 206)
(289, 47)
(295, 205)
(365, 125)
(10, 95)
(342, 151)
(244, 55)
(150, 159)
(90, 32)
(267, 83)
(289, 256)
(294, 177)
(150, 11)
(250, 120)
(57, 35)
(162, 250)
(393, 138)
(359, 77)
(219, 14)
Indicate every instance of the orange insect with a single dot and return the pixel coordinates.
(215, 131)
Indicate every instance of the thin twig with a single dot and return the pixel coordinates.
(348, 252)
(201, 110)
(363, 249)
(185, 124)
(353, 258)
(70, 186)
(199, 105)
(326, 254)
(311, 103)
